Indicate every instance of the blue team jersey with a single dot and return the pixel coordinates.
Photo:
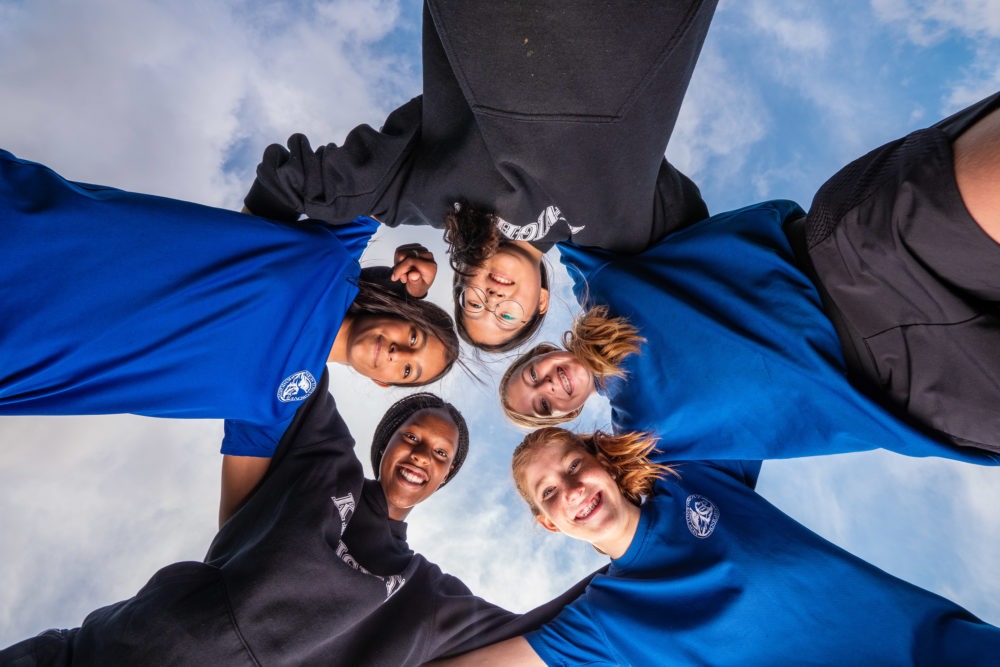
(121, 302)
(740, 361)
(716, 575)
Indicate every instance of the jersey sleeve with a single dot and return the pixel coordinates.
(336, 183)
(242, 438)
(744, 472)
(573, 638)
(582, 264)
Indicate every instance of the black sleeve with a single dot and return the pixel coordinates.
(317, 449)
(477, 623)
(575, 110)
(182, 612)
(337, 183)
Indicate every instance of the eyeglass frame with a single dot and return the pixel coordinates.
(481, 294)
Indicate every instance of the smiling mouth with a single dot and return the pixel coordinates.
(500, 279)
(594, 503)
(411, 475)
(564, 379)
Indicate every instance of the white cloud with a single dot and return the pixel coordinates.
(796, 26)
(723, 116)
(158, 96)
(928, 21)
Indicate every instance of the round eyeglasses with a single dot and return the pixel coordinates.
(509, 313)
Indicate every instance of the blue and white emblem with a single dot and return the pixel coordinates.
(296, 387)
(702, 515)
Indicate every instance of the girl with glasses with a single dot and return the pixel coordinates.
(525, 135)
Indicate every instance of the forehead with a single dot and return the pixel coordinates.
(433, 423)
(519, 394)
(434, 356)
(549, 458)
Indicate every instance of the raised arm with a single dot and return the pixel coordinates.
(337, 183)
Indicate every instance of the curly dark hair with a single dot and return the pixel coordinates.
(473, 237)
(402, 410)
(377, 300)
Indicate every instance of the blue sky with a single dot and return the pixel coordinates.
(180, 98)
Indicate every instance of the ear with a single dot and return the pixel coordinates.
(543, 301)
(380, 383)
(547, 523)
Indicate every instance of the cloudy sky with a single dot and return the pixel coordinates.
(179, 98)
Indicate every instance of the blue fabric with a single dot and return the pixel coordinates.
(716, 575)
(740, 360)
(122, 302)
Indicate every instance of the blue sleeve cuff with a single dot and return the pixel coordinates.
(246, 439)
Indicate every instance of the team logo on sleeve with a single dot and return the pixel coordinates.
(702, 515)
(296, 387)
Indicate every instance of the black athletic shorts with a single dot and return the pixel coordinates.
(912, 283)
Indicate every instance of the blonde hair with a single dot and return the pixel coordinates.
(600, 342)
(626, 457)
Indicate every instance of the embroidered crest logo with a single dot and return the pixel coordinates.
(296, 387)
(702, 515)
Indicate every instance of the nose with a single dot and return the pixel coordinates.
(399, 352)
(492, 292)
(419, 454)
(574, 490)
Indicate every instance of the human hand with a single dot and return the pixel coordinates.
(414, 266)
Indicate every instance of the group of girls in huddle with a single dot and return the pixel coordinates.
(720, 341)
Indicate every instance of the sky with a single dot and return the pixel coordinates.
(180, 98)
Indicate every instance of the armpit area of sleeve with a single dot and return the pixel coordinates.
(264, 204)
(572, 638)
(246, 439)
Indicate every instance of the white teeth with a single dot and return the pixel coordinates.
(411, 477)
(565, 381)
(590, 508)
(499, 279)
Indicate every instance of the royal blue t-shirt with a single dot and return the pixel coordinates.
(740, 361)
(121, 302)
(716, 575)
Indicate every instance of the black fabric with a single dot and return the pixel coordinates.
(382, 276)
(52, 647)
(912, 283)
(554, 115)
(310, 571)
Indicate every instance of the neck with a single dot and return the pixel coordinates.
(616, 545)
(338, 354)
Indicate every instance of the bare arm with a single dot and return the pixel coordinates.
(977, 171)
(516, 651)
(240, 476)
